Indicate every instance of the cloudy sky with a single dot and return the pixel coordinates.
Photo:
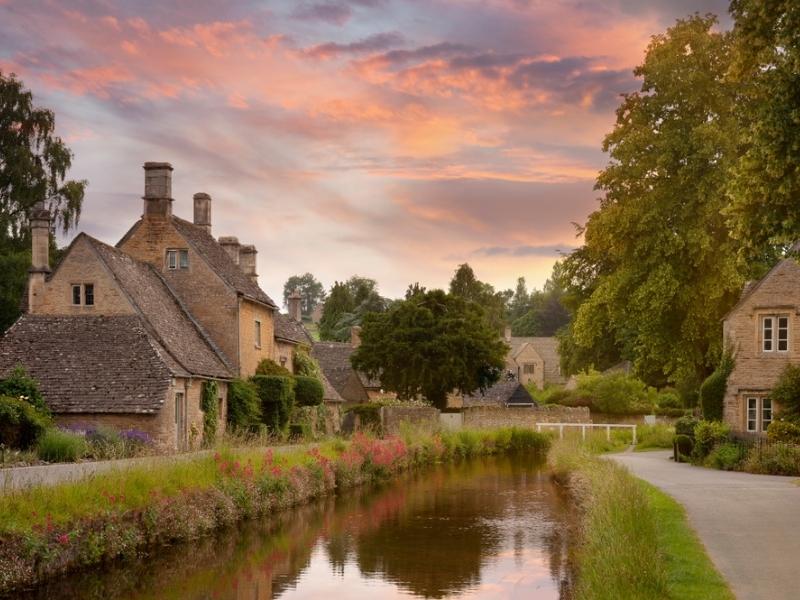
(390, 138)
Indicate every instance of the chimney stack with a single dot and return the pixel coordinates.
(355, 336)
(202, 211)
(507, 334)
(40, 254)
(295, 310)
(247, 260)
(231, 245)
(157, 190)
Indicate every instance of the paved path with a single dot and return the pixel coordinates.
(23, 477)
(750, 524)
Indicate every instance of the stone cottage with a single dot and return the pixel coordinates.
(125, 336)
(534, 360)
(760, 329)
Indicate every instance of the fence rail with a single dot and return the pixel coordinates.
(584, 426)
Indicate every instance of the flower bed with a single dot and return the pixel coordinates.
(50, 530)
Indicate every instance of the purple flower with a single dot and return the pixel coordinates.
(136, 436)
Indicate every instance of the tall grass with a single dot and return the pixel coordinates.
(651, 437)
(57, 445)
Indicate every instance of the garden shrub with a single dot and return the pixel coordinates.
(21, 424)
(786, 392)
(712, 392)
(550, 394)
(774, 459)
(308, 391)
(369, 415)
(270, 367)
(726, 456)
(277, 400)
(209, 404)
(654, 436)
(244, 405)
(58, 445)
(708, 434)
(685, 426)
(684, 446)
(305, 364)
(19, 385)
(783, 431)
(672, 412)
(613, 393)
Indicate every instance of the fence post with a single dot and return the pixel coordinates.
(608, 433)
(634, 435)
(583, 432)
(561, 432)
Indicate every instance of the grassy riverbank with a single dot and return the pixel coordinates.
(50, 530)
(635, 541)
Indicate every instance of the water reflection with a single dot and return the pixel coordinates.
(493, 528)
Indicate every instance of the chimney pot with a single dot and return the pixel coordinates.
(157, 189)
(295, 306)
(202, 211)
(247, 261)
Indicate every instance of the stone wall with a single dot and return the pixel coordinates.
(152, 425)
(493, 417)
(250, 354)
(424, 417)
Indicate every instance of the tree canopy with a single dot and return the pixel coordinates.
(467, 286)
(429, 345)
(311, 290)
(347, 304)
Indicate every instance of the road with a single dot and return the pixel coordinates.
(750, 524)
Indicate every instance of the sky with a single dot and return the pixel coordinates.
(394, 139)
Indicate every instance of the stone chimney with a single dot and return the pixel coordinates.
(157, 190)
(507, 334)
(231, 245)
(247, 261)
(355, 336)
(202, 211)
(295, 306)
(40, 254)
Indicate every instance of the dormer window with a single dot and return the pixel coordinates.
(177, 259)
(83, 294)
(775, 333)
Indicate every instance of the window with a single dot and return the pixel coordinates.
(759, 414)
(528, 368)
(172, 259)
(752, 414)
(83, 294)
(76, 295)
(775, 333)
(766, 413)
(88, 294)
(258, 334)
(183, 259)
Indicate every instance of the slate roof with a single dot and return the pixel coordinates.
(334, 359)
(290, 330)
(331, 395)
(502, 393)
(87, 364)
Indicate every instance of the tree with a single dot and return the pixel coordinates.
(338, 302)
(520, 301)
(355, 298)
(311, 290)
(658, 270)
(33, 168)
(544, 314)
(465, 285)
(429, 345)
(765, 182)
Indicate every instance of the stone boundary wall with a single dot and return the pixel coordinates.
(493, 417)
(424, 417)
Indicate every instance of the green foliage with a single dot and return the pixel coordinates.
(308, 391)
(277, 400)
(14, 265)
(658, 268)
(305, 364)
(465, 285)
(550, 394)
(654, 436)
(209, 404)
(786, 392)
(57, 445)
(707, 435)
(270, 367)
(613, 393)
(347, 305)
(19, 385)
(774, 459)
(685, 445)
(784, 431)
(686, 425)
(540, 313)
(244, 405)
(726, 456)
(431, 344)
(311, 290)
(369, 415)
(20, 423)
(712, 392)
(668, 399)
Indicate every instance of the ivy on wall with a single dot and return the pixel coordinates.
(210, 407)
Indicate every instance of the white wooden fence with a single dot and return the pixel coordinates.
(584, 426)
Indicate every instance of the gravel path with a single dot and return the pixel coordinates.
(748, 523)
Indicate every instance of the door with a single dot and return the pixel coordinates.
(180, 421)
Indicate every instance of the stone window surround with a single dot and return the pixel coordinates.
(257, 332)
(760, 411)
(85, 294)
(760, 314)
(177, 259)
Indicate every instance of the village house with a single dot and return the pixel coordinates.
(534, 360)
(761, 329)
(125, 336)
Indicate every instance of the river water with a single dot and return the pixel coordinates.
(487, 529)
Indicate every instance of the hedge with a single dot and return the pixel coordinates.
(244, 405)
(21, 425)
(712, 392)
(308, 391)
(277, 400)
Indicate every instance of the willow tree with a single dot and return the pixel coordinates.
(657, 269)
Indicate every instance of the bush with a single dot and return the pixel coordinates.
(786, 392)
(685, 426)
(654, 436)
(18, 385)
(672, 412)
(270, 367)
(20, 423)
(669, 399)
(726, 456)
(614, 393)
(244, 405)
(305, 364)
(308, 391)
(684, 446)
(277, 400)
(783, 431)
(708, 434)
(774, 459)
(209, 404)
(369, 415)
(551, 394)
(57, 445)
(712, 392)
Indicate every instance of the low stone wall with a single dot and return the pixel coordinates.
(423, 417)
(493, 417)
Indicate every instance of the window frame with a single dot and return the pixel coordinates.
(88, 294)
(77, 287)
(257, 333)
(529, 368)
(754, 420)
(785, 330)
(767, 340)
(759, 413)
(775, 334)
(762, 413)
(183, 259)
(172, 260)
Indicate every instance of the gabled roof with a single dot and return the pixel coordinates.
(167, 320)
(502, 393)
(88, 364)
(547, 347)
(751, 287)
(334, 358)
(290, 330)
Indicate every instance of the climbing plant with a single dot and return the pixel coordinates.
(210, 408)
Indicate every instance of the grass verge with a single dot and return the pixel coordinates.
(635, 541)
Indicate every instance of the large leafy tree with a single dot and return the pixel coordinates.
(467, 286)
(33, 168)
(765, 182)
(429, 345)
(337, 304)
(658, 270)
(311, 290)
(346, 306)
